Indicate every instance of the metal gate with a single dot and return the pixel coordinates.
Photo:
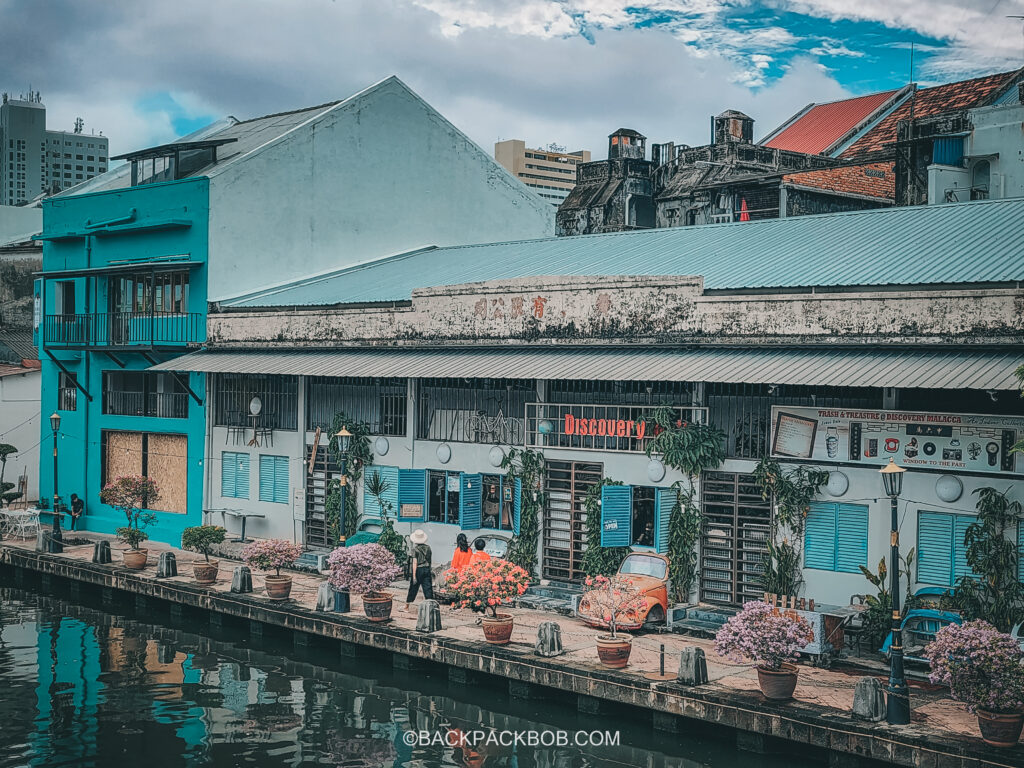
(565, 519)
(737, 522)
(325, 469)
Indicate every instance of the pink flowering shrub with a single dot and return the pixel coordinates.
(981, 665)
(612, 600)
(364, 568)
(761, 634)
(486, 584)
(271, 554)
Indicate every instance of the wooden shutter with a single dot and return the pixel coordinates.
(412, 489)
(851, 538)
(820, 537)
(471, 501)
(664, 501)
(935, 549)
(616, 515)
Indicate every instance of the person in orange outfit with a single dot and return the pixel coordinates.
(462, 554)
(479, 555)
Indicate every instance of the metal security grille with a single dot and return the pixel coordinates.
(565, 519)
(379, 402)
(318, 480)
(557, 425)
(619, 392)
(278, 400)
(473, 410)
(736, 526)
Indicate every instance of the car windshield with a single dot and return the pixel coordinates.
(643, 565)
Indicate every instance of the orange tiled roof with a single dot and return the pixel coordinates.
(870, 179)
(820, 127)
(966, 94)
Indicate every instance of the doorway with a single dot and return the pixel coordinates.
(737, 523)
(565, 519)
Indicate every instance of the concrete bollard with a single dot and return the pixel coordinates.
(869, 700)
(325, 598)
(42, 540)
(167, 566)
(241, 581)
(549, 639)
(428, 617)
(101, 552)
(693, 666)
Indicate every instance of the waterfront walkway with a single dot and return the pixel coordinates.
(829, 691)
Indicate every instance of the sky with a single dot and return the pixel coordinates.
(564, 72)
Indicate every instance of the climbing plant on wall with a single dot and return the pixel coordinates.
(690, 448)
(358, 456)
(529, 468)
(598, 560)
(791, 492)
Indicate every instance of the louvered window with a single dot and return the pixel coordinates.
(234, 475)
(836, 537)
(274, 479)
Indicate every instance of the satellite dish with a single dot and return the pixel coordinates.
(255, 406)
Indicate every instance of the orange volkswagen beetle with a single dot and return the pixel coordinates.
(648, 572)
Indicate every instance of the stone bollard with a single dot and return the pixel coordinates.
(549, 639)
(325, 598)
(167, 565)
(101, 552)
(242, 579)
(693, 666)
(869, 700)
(428, 617)
(42, 540)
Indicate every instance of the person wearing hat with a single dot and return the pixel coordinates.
(421, 562)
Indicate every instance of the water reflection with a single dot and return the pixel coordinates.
(83, 687)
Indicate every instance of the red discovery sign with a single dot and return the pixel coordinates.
(604, 427)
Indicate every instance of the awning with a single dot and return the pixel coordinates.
(167, 265)
(813, 367)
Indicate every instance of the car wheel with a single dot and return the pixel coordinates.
(655, 616)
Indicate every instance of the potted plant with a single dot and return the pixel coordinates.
(131, 494)
(483, 586)
(200, 538)
(772, 639)
(983, 668)
(368, 570)
(271, 555)
(613, 599)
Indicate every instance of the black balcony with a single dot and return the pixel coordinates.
(162, 405)
(124, 330)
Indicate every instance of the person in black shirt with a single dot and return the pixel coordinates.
(77, 508)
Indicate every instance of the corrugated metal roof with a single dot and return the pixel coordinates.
(820, 127)
(957, 243)
(831, 367)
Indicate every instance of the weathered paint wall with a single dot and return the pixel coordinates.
(382, 174)
(635, 309)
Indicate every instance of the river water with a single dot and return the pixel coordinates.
(80, 686)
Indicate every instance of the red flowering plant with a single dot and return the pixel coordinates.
(612, 599)
(982, 666)
(764, 635)
(485, 585)
(132, 494)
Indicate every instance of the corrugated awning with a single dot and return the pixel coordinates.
(813, 367)
(168, 265)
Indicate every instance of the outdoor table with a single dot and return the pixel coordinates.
(240, 514)
(21, 522)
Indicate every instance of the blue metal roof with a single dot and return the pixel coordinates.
(974, 242)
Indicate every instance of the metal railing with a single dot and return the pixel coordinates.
(166, 405)
(124, 329)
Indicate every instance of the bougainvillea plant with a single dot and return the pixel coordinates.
(762, 634)
(365, 569)
(271, 554)
(485, 585)
(613, 600)
(132, 494)
(981, 665)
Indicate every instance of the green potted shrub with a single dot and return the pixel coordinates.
(199, 538)
(272, 555)
(131, 494)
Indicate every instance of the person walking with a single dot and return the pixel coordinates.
(479, 556)
(462, 555)
(421, 574)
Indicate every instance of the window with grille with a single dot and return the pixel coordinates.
(67, 392)
(379, 402)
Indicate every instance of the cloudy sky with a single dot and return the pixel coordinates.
(547, 71)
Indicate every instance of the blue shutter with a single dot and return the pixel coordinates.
(820, 537)
(960, 567)
(934, 549)
(1020, 550)
(664, 501)
(412, 489)
(281, 479)
(471, 501)
(242, 476)
(517, 506)
(616, 515)
(274, 479)
(227, 474)
(371, 507)
(851, 538)
(948, 151)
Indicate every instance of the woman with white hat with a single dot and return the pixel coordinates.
(421, 575)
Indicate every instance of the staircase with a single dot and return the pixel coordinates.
(556, 597)
(702, 620)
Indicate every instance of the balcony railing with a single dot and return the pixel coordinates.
(164, 405)
(124, 329)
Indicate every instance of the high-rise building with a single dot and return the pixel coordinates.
(35, 161)
(549, 172)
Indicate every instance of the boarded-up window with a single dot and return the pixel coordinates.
(161, 457)
(123, 455)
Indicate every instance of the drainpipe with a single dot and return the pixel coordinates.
(783, 200)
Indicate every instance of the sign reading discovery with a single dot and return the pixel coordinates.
(604, 427)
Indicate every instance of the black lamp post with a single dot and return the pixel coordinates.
(56, 537)
(344, 438)
(898, 701)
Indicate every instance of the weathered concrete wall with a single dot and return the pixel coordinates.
(17, 268)
(636, 309)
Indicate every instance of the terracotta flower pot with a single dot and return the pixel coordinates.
(1000, 729)
(278, 587)
(377, 605)
(614, 652)
(497, 631)
(205, 572)
(135, 558)
(778, 684)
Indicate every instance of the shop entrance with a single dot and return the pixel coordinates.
(564, 537)
(736, 527)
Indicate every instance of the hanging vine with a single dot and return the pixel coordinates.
(791, 493)
(358, 456)
(690, 448)
(529, 467)
(598, 560)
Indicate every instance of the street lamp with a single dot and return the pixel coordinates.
(56, 537)
(344, 438)
(897, 711)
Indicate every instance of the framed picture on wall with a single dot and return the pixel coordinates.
(794, 435)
